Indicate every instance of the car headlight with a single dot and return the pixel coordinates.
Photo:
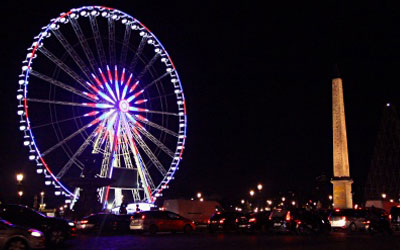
(35, 233)
(71, 224)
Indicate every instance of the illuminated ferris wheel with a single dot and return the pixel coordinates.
(99, 92)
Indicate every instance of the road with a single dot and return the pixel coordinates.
(206, 241)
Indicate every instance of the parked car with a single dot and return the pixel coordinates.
(349, 219)
(259, 222)
(160, 221)
(56, 230)
(16, 237)
(102, 222)
(394, 218)
(298, 220)
(378, 221)
(228, 221)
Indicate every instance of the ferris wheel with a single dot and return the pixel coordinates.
(103, 95)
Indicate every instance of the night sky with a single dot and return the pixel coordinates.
(257, 81)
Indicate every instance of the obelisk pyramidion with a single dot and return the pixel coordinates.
(342, 196)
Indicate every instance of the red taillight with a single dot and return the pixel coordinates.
(143, 217)
(84, 221)
(390, 216)
(252, 220)
(288, 217)
(337, 210)
(270, 216)
(344, 218)
(222, 221)
(208, 221)
(366, 222)
(237, 220)
(298, 221)
(131, 217)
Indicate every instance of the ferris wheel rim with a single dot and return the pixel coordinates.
(40, 160)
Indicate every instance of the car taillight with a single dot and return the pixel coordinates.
(222, 221)
(329, 218)
(297, 222)
(366, 222)
(390, 216)
(237, 220)
(208, 221)
(252, 220)
(131, 217)
(288, 217)
(84, 221)
(143, 217)
(343, 218)
(270, 216)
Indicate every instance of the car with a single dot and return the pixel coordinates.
(103, 222)
(16, 237)
(228, 222)
(160, 221)
(351, 220)
(56, 230)
(394, 218)
(299, 221)
(259, 222)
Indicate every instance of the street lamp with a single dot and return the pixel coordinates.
(383, 196)
(20, 193)
(20, 177)
(199, 195)
(251, 193)
(259, 187)
(283, 198)
(242, 201)
(269, 202)
(293, 203)
(201, 199)
(330, 197)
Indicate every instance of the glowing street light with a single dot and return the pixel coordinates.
(293, 203)
(283, 198)
(199, 195)
(242, 201)
(20, 177)
(20, 193)
(201, 199)
(330, 197)
(383, 196)
(259, 187)
(269, 202)
(251, 193)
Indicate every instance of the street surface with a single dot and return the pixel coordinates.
(197, 241)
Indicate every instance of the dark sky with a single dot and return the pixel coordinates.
(257, 81)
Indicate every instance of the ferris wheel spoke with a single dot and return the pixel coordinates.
(91, 105)
(154, 125)
(135, 109)
(156, 80)
(94, 122)
(149, 136)
(111, 40)
(71, 51)
(150, 154)
(73, 158)
(148, 66)
(63, 86)
(64, 67)
(97, 39)
(65, 120)
(85, 46)
(137, 54)
(125, 44)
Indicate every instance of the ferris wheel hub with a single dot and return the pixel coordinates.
(124, 106)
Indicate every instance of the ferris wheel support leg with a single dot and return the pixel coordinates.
(113, 160)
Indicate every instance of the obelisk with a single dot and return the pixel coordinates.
(342, 197)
